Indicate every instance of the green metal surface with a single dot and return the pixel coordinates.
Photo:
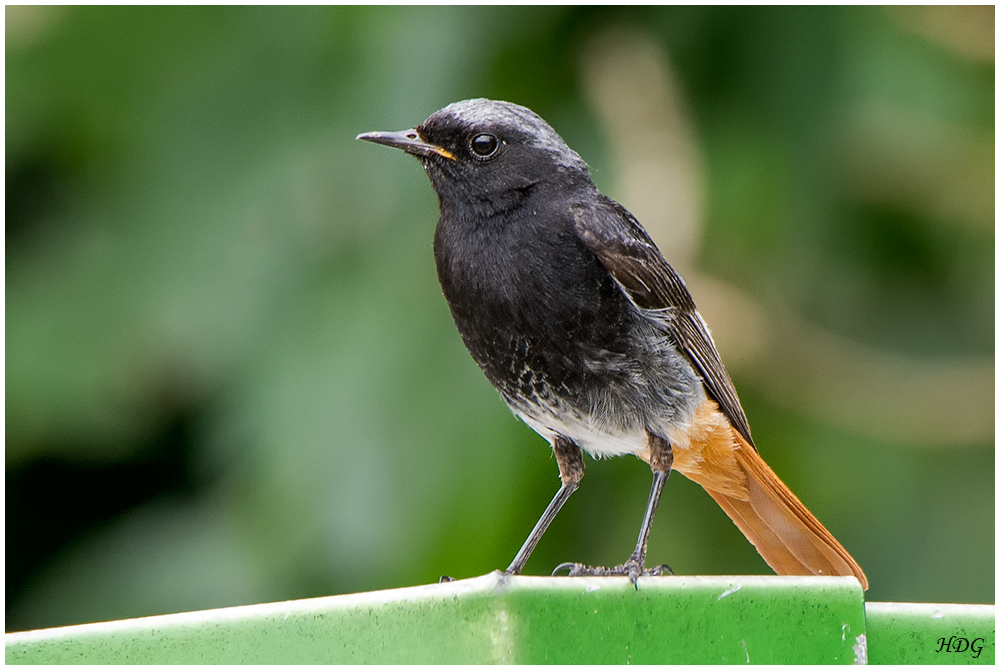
(912, 633)
(499, 619)
(688, 620)
(496, 619)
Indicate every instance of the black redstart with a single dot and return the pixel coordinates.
(590, 337)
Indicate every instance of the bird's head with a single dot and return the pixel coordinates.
(486, 154)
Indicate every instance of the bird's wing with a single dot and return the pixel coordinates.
(628, 253)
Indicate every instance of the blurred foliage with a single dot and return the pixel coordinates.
(230, 374)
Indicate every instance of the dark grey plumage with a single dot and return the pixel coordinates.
(558, 292)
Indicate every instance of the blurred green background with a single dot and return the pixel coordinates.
(230, 374)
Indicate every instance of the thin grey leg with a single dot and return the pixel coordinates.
(661, 461)
(570, 461)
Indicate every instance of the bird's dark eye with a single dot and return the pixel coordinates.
(484, 145)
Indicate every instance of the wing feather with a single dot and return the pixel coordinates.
(628, 253)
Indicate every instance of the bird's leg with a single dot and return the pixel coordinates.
(661, 459)
(570, 461)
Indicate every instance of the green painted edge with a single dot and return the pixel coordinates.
(928, 633)
(373, 627)
(690, 620)
(496, 619)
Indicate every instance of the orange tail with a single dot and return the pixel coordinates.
(785, 533)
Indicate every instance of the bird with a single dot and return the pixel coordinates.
(590, 337)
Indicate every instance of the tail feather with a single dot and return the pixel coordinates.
(712, 453)
(787, 535)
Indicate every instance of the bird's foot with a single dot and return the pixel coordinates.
(631, 568)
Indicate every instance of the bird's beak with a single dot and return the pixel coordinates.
(407, 140)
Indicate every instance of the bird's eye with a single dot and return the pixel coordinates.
(484, 145)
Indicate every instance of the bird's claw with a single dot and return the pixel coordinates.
(630, 568)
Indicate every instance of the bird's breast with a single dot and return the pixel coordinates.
(555, 334)
(527, 295)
